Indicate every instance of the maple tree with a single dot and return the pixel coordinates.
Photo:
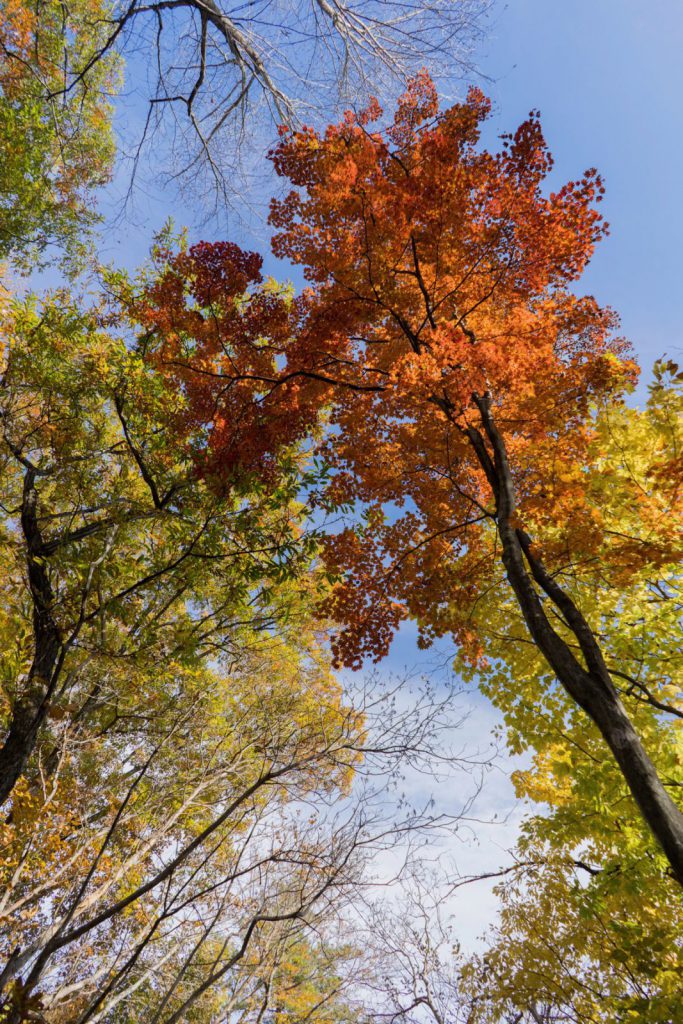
(460, 377)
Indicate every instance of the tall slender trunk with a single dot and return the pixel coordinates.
(590, 686)
(31, 709)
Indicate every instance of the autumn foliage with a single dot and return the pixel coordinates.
(438, 271)
(459, 375)
(215, 491)
(217, 329)
(56, 143)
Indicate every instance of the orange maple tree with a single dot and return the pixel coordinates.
(458, 372)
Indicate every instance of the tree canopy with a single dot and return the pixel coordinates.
(167, 699)
(462, 377)
(56, 142)
(219, 494)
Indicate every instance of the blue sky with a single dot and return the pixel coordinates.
(607, 76)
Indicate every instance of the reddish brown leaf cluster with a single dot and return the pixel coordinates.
(218, 331)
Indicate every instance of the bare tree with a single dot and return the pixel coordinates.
(210, 80)
(154, 882)
(414, 971)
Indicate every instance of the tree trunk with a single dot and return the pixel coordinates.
(30, 711)
(591, 687)
(19, 744)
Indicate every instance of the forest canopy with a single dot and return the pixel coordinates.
(223, 495)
